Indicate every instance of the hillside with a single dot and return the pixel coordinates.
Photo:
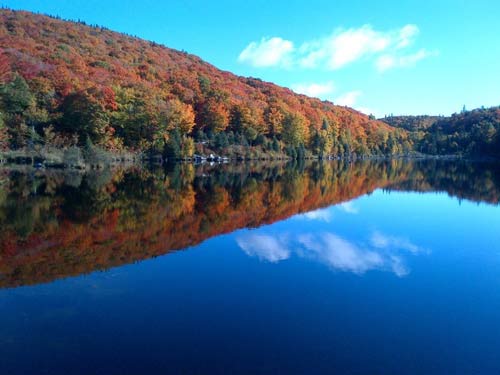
(64, 83)
(474, 133)
(411, 123)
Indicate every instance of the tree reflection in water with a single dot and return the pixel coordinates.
(56, 224)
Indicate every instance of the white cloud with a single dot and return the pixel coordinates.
(390, 61)
(339, 49)
(368, 111)
(348, 99)
(385, 62)
(264, 247)
(318, 90)
(343, 47)
(325, 90)
(268, 52)
(407, 35)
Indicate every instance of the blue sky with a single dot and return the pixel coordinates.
(383, 57)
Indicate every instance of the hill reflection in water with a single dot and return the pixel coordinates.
(55, 224)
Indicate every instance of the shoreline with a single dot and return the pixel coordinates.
(129, 159)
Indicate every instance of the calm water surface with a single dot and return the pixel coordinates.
(349, 268)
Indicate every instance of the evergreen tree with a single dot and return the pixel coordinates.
(172, 148)
(275, 145)
(220, 141)
(16, 96)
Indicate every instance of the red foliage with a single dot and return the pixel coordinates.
(74, 57)
(5, 69)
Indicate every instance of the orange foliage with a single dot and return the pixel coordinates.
(73, 57)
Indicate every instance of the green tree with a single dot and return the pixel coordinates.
(173, 145)
(16, 101)
(241, 139)
(276, 145)
(316, 144)
(187, 147)
(294, 129)
(4, 135)
(178, 146)
(243, 120)
(16, 96)
(85, 116)
(221, 141)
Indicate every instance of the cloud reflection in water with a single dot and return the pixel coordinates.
(348, 207)
(382, 252)
(264, 247)
(322, 214)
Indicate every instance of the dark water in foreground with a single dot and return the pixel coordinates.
(363, 268)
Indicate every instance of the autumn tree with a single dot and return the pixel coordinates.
(85, 116)
(5, 68)
(274, 116)
(180, 116)
(137, 116)
(240, 118)
(321, 143)
(214, 115)
(121, 90)
(294, 129)
(178, 146)
(245, 121)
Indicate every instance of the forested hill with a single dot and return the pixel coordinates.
(65, 83)
(470, 133)
(411, 123)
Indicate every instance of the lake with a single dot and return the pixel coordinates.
(366, 267)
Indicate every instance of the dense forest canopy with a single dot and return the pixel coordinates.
(411, 123)
(65, 83)
(470, 133)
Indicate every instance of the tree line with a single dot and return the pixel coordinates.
(474, 133)
(65, 84)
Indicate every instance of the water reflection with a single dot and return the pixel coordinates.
(323, 214)
(56, 224)
(265, 247)
(349, 208)
(382, 241)
(382, 252)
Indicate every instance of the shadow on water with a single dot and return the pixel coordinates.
(55, 224)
